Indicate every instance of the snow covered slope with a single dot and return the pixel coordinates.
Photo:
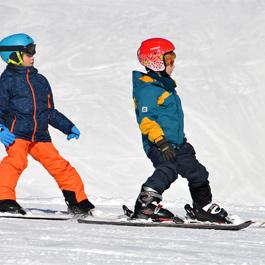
(87, 50)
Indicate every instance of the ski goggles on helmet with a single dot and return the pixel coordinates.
(29, 49)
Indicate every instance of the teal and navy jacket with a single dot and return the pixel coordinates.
(26, 105)
(158, 109)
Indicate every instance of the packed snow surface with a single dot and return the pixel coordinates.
(87, 50)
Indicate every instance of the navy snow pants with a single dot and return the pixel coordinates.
(186, 165)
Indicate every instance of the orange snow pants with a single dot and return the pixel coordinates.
(16, 161)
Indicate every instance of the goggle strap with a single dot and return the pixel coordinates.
(11, 48)
(30, 49)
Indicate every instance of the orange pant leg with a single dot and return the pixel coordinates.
(64, 174)
(11, 168)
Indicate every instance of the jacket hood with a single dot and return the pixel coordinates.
(141, 80)
(145, 79)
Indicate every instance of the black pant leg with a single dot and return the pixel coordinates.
(165, 172)
(196, 174)
(190, 168)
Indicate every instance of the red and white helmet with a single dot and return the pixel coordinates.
(151, 53)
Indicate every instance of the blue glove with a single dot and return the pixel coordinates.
(6, 137)
(75, 133)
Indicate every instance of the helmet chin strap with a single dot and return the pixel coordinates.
(19, 61)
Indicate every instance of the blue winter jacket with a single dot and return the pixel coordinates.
(26, 105)
(158, 109)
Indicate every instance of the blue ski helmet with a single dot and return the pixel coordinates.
(16, 43)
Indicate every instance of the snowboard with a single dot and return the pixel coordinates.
(195, 225)
(176, 222)
(125, 220)
(33, 217)
(39, 214)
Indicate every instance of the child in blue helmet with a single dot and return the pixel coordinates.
(26, 110)
(161, 121)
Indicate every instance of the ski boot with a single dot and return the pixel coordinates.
(145, 208)
(11, 206)
(203, 208)
(82, 208)
(212, 212)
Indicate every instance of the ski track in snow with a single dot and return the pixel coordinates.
(87, 51)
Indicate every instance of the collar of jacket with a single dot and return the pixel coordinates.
(164, 78)
(21, 70)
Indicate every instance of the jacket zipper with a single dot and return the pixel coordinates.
(34, 105)
(49, 101)
(49, 106)
(13, 123)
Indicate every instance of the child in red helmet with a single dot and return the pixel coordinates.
(161, 121)
(26, 110)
